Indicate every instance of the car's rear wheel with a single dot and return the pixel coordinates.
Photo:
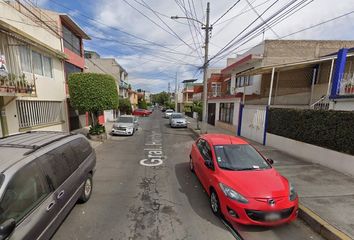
(191, 166)
(214, 203)
(86, 190)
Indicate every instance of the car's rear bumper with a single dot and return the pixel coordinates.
(178, 124)
(256, 212)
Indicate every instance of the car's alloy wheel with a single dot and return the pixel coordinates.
(87, 190)
(214, 203)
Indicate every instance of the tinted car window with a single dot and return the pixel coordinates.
(125, 120)
(23, 193)
(57, 169)
(82, 149)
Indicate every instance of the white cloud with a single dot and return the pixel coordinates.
(154, 69)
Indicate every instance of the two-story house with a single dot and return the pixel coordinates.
(32, 81)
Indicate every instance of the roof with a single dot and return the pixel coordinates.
(223, 139)
(69, 22)
(16, 147)
(189, 80)
(243, 60)
(290, 66)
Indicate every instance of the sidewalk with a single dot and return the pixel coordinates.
(326, 196)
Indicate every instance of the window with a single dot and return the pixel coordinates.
(216, 89)
(239, 157)
(56, 169)
(226, 112)
(37, 63)
(37, 113)
(71, 41)
(24, 192)
(70, 68)
(243, 81)
(25, 58)
(228, 87)
(47, 66)
(204, 149)
(82, 149)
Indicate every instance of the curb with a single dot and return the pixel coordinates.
(320, 226)
(315, 222)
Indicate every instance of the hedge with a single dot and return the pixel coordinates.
(329, 129)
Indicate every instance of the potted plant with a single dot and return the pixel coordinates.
(3, 83)
(22, 84)
(12, 82)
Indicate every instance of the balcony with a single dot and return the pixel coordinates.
(17, 85)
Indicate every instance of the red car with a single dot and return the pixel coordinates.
(242, 184)
(141, 112)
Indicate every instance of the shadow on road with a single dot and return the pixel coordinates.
(197, 197)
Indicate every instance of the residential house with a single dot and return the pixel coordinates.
(95, 64)
(32, 81)
(295, 91)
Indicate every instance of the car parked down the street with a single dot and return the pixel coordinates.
(141, 112)
(125, 125)
(178, 120)
(42, 176)
(168, 113)
(242, 184)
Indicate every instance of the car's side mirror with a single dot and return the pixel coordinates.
(6, 228)
(270, 161)
(209, 164)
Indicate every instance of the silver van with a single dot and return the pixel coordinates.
(42, 176)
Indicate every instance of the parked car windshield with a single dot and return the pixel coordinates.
(169, 110)
(125, 120)
(239, 158)
(177, 115)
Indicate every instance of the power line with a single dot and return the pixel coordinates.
(228, 10)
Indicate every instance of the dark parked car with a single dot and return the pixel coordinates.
(42, 176)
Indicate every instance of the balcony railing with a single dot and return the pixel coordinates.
(12, 84)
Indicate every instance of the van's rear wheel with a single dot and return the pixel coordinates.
(86, 190)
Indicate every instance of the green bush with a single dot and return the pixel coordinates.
(93, 92)
(142, 104)
(329, 129)
(97, 129)
(125, 107)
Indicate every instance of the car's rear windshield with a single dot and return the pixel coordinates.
(239, 157)
(177, 115)
(169, 110)
(125, 120)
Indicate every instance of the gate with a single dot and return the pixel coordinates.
(211, 113)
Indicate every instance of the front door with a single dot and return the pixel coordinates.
(211, 113)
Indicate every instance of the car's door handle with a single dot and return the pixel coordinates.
(61, 194)
(51, 205)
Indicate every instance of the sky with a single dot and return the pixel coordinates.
(154, 49)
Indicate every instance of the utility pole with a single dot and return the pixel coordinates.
(176, 94)
(207, 29)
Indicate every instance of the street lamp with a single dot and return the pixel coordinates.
(207, 29)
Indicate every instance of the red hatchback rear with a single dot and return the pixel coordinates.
(141, 112)
(242, 185)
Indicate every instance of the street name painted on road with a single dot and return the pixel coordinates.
(154, 151)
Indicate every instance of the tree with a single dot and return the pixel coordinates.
(93, 92)
(161, 98)
(125, 107)
(142, 104)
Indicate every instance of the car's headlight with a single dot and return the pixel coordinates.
(292, 192)
(230, 193)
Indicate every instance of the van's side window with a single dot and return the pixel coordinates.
(23, 193)
(81, 148)
(57, 169)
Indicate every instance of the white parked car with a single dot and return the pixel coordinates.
(125, 125)
(168, 113)
(178, 120)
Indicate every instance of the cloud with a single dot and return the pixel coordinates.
(152, 66)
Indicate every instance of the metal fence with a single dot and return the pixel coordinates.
(37, 113)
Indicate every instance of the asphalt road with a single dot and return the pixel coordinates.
(143, 189)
